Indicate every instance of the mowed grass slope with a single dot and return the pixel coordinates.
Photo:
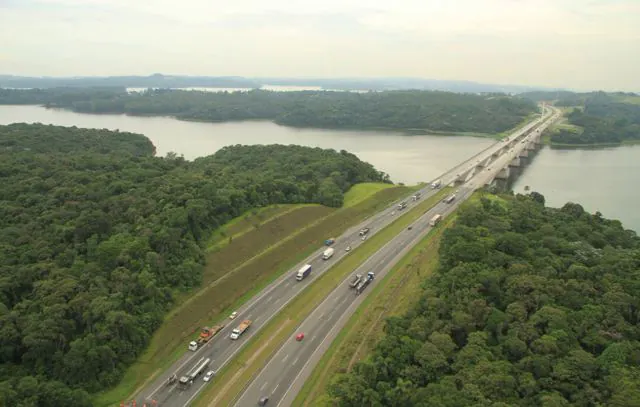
(245, 223)
(239, 269)
(238, 373)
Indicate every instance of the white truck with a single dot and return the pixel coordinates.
(244, 325)
(304, 271)
(436, 184)
(435, 220)
(327, 253)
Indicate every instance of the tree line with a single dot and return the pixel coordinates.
(604, 120)
(97, 236)
(530, 306)
(401, 110)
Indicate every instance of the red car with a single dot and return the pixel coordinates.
(300, 337)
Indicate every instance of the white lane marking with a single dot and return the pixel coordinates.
(285, 358)
(194, 394)
(276, 388)
(295, 361)
(263, 386)
(269, 298)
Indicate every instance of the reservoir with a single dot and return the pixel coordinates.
(597, 179)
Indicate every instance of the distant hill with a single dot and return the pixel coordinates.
(400, 84)
(151, 81)
(178, 81)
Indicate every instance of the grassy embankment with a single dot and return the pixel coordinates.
(232, 379)
(394, 295)
(263, 246)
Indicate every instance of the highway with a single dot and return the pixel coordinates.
(279, 293)
(285, 373)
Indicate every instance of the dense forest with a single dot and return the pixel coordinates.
(97, 235)
(421, 110)
(605, 119)
(531, 306)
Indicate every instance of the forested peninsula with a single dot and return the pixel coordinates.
(595, 118)
(531, 306)
(97, 235)
(422, 111)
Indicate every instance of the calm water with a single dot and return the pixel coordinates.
(603, 180)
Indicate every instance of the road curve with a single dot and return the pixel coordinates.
(279, 293)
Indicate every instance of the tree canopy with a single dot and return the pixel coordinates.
(411, 109)
(530, 306)
(97, 235)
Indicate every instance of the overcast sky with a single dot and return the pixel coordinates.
(581, 44)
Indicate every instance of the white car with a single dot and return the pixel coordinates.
(208, 376)
(233, 315)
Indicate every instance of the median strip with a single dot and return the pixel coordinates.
(240, 371)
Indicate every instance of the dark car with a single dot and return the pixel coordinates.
(263, 401)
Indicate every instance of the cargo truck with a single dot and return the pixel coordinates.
(303, 272)
(364, 283)
(196, 371)
(436, 184)
(205, 335)
(244, 325)
(402, 205)
(434, 221)
(416, 196)
(364, 231)
(327, 254)
(330, 241)
(450, 198)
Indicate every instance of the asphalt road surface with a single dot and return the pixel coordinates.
(285, 373)
(279, 293)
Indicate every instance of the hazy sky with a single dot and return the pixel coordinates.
(582, 44)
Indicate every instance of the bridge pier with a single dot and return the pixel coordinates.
(515, 162)
(503, 174)
(524, 153)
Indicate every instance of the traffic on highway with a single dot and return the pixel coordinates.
(284, 375)
(181, 383)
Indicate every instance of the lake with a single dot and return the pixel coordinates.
(598, 179)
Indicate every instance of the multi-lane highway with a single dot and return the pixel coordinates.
(279, 293)
(285, 373)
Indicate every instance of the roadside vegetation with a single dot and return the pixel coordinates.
(399, 291)
(99, 239)
(219, 295)
(530, 306)
(232, 378)
(414, 110)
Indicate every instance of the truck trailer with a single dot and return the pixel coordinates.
(402, 205)
(304, 271)
(327, 254)
(450, 198)
(436, 184)
(435, 220)
(354, 282)
(244, 325)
